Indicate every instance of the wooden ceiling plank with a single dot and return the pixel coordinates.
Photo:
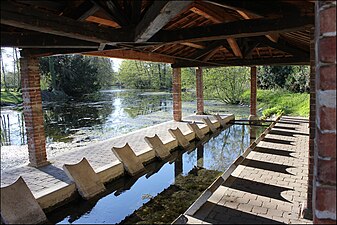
(102, 21)
(194, 45)
(41, 21)
(235, 47)
(158, 15)
(211, 54)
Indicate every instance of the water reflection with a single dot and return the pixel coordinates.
(127, 194)
(12, 128)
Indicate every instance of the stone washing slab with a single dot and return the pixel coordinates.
(87, 181)
(157, 145)
(198, 133)
(128, 158)
(18, 205)
(178, 135)
(209, 124)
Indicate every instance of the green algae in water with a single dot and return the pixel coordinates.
(174, 200)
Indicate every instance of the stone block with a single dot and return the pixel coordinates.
(178, 135)
(18, 205)
(158, 147)
(209, 124)
(128, 158)
(87, 181)
(198, 133)
(220, 120)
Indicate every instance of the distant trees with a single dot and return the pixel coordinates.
(144, 75)
(76, 75)
(10, 78)
(292, 78)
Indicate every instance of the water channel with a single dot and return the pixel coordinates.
(74, 124)
(188, 171)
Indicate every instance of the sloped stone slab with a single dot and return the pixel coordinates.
(87, 181)
(209, 124)
(18, 205)
(220, 120)
(198, 133)
(128, 158)
(178, 135)
(158, 147)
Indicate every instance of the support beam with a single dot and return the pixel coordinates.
(237, 29)
(235, 47)
(157, 16)
(41, 40)
(32, 110)
(253, 91)
(134, 55)
(41, 21)
(177, 105)
(200, 91)
(245, 62)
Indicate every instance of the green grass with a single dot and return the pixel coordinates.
(281, 101)
(10, 97)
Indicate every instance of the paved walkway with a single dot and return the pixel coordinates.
(270, 186)
(51, 178)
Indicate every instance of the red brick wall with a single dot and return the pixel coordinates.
(324, 185)
(200, 91)
(253, 89)
(177, 115)
(32, 109)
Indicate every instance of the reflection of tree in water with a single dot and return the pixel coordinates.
(143, 104)
(66, 119)
(226, 147)
(12, 130)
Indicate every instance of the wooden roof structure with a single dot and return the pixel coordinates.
(184, 33)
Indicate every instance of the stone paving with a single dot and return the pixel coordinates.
(270, 186)
(50, 178)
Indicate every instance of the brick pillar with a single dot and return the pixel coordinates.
(177, 115)
(253, 90)
(32, 109)
(324, 185)
(200, 91)
(312, 125)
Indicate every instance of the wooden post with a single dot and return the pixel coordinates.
(32, 110)
(177, 115)
(200, 91)
(253, 90)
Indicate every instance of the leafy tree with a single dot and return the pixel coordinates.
(74, 74)
(226, 84)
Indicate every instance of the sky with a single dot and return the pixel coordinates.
(7, 55)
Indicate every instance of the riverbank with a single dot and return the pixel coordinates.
(281, 101)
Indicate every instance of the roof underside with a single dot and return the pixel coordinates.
(183, 33)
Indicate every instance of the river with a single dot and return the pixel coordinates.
(110, 113)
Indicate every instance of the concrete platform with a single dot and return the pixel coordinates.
(50, 185)
(268, 186)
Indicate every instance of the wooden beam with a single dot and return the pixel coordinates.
(45, 22)
(157, 16)
(237, 29)
(215, 45)
(134, 55)
(246, 62)
(102, 21)
(81, 12)
(193, 45)
(211, 54)
(235, 47)
(41, 40)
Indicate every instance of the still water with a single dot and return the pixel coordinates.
(110, 113)
(125, 196)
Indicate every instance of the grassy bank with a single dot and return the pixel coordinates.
(10, 97)
(278, 101)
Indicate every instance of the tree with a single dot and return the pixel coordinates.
(226, 84)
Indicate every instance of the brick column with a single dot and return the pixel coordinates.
(324, 185)
(177, 115)
(200, 91)
(312, 125)
(253, 90)
(32, 109)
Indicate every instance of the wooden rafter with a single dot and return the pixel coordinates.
(36, 20)
(157, 16)
(82, 12)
